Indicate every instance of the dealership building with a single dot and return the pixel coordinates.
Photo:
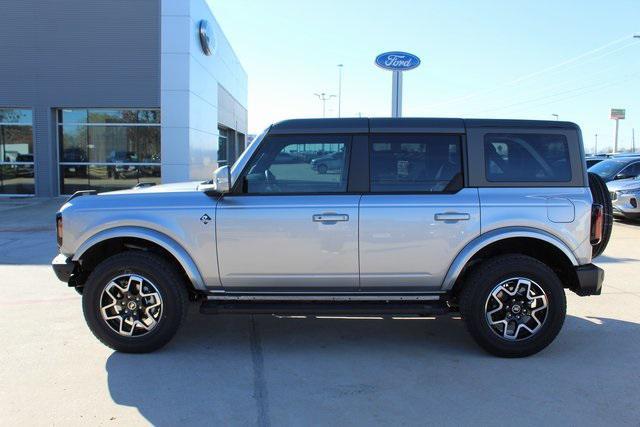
(106, 94)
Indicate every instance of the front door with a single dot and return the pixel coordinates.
(290, 224)
(418, 215)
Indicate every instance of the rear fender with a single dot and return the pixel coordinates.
(493, 236)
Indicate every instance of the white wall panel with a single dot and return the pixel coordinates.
(189, 90)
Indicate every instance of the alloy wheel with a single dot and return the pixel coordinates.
(131, 305)
(516, 309)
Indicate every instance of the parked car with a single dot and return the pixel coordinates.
(24, 170)
(286, 158)
(617, 168)
(594, 160)
(396, 231)
(329, 162)
(119, 167)
(624, 197)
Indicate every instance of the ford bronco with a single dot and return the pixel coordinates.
(492, 219)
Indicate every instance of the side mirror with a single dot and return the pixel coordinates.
(621, 175)
(222, 180)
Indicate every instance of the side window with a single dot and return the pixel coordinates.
(632, 171)
(415, 163)
(298, 164)
(526, 158)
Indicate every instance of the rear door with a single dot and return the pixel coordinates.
(293, 225)
(418, 214)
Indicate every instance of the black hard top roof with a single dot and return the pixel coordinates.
(407, 124)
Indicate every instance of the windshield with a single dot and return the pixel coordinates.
(608, 168)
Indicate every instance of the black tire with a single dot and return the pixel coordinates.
(482, 281)
(601, 196)
(322, 169)
(166, 280)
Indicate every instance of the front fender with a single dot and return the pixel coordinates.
(179, 253)
(493, 236)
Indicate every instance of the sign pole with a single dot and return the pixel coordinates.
(617, 114)
(615, 137)
(396, 94)
(397, 62)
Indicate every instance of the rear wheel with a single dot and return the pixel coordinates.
(601, 196)
(513, 305)
(134, 302)
(322, 169)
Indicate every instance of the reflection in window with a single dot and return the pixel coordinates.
(223, 146)
(108, 149)
(16, 151)
(416, 163)
(527, 158)
(299, 164)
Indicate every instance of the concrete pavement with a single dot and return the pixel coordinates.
(263, 370)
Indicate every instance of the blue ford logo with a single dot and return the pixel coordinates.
(397, 61)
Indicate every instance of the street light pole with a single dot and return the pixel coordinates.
(324, 98)
(596, 153)
(340, 89)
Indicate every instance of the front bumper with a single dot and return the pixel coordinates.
(590, 278)
(625, 205)
(63, 267)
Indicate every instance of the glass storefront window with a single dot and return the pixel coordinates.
(16, 151)
(16, 116)
(107, 149)
(231, 144)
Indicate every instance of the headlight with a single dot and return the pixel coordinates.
(631, 191)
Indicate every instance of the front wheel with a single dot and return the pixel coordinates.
(134, 302)
(513, 305)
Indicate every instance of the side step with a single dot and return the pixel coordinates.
(297, 308)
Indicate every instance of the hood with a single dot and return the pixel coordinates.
(624, 184)
(179, 195)
(178, 187)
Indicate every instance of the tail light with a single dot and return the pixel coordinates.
(597, 223)
(59, 229)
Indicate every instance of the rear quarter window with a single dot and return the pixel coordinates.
(527, 157)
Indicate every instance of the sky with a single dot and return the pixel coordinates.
(490, 58)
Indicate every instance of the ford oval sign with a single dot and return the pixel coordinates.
(207, 42)
(397, 61)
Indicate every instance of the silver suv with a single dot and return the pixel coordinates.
(493, 219)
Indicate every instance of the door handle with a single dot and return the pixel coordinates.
(452, 216)
(330, 217)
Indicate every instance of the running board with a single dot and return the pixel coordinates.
(293, 308)
(347, 297)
